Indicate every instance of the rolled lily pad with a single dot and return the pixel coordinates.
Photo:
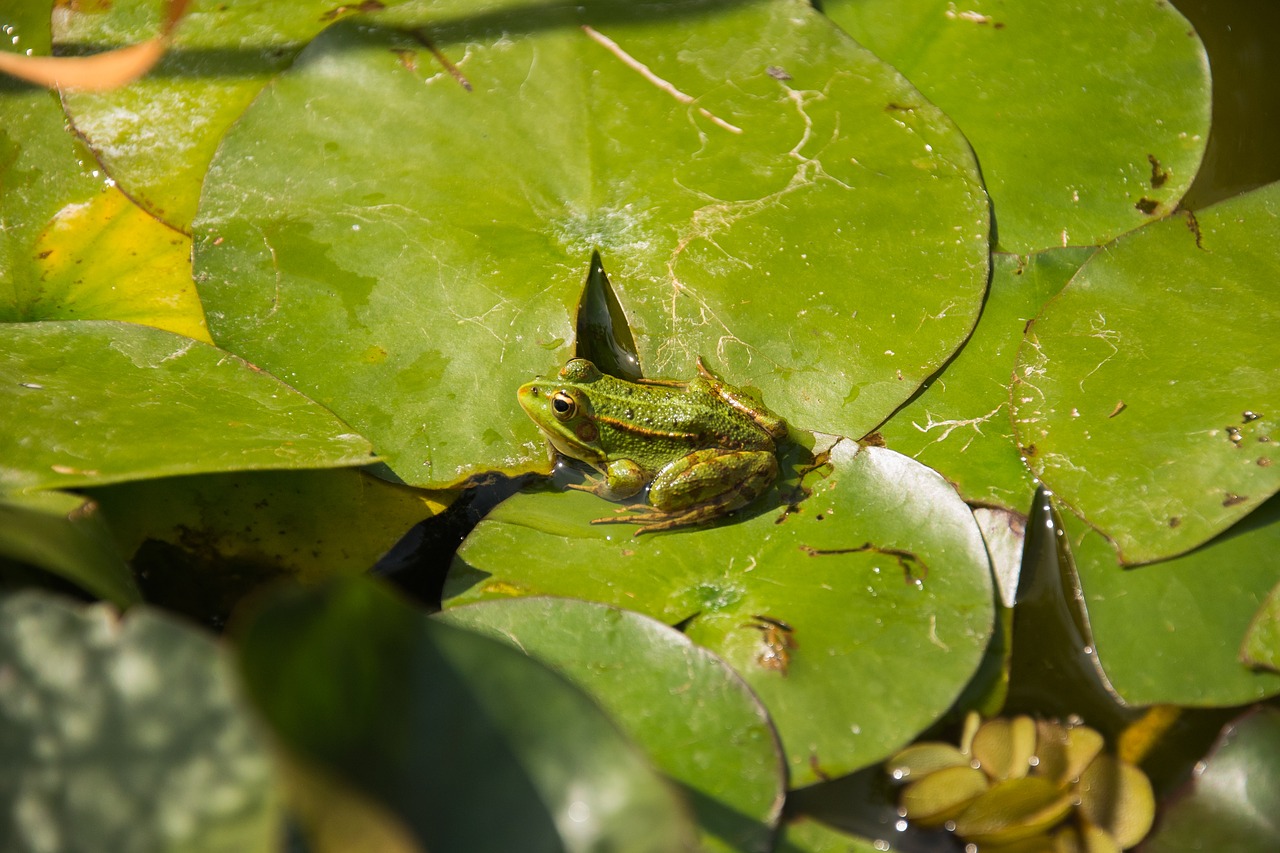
(440, 725)
(89, 402)
(1161, 436)
(64, 534)
(1089, 118)
(407, 245)
(693, 716)
(1170, 632)
(125, 735)
(1230, 803)
(879, 572)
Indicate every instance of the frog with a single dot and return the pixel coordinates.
(704, 448)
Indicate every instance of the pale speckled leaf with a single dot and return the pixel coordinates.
(125, 734)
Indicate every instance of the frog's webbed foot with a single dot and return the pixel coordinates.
(652, 520)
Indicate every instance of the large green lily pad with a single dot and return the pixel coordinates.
(1170, 632)
(1145, 393)
(408, 249)
(1089, 119)
(125, 734)
(471, 744)
(90, 402)
(856, 615)
(694, 717)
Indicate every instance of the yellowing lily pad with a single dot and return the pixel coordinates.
(107, 259)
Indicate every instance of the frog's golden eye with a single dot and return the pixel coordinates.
(563, 406)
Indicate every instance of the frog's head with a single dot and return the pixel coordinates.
(561, 407)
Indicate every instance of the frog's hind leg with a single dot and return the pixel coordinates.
(701, 487)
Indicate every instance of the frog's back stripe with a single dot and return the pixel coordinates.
(684, 438)
(648, 432)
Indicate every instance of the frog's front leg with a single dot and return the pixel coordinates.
(701, 486)
(622, 479)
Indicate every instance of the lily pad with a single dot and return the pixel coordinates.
(1230, 803)
(46, 169)
(753, 196)
(107, 259)
(309, 523)
(810, 836)
(1161, 439)
(1261, 647)
(65, 534)
(157, 135)
(80, 397)
(693, 716)
(881, 571)
(959, 424)
(1089, 119)
(438, 724)
(1171, 632)
(124, 735)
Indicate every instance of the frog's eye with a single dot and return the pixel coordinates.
(563, 406)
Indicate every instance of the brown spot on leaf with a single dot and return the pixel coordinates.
(1029, 451)
(1158, 175)
(777, 73)
(1147, 205)
(1193, 225)
(1231, 499)
(1247, 416)
(1120, 407)
(1174, 521)
(1264, 461)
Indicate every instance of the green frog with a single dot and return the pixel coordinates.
(703, 447)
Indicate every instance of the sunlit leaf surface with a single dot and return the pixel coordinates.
(1146, 394)
(879, 579)
(960, 424)
(1089, 119)
(99, 402)
(755, 195)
